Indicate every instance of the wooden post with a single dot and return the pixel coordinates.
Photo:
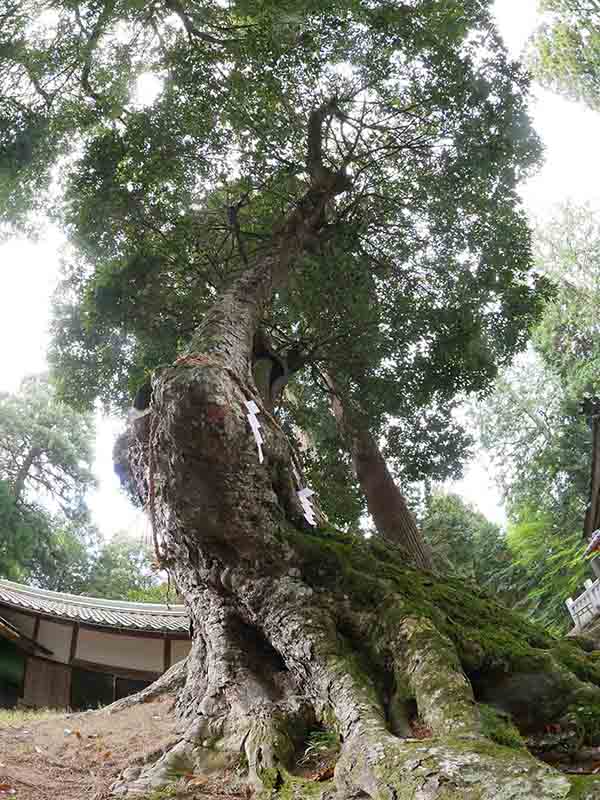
(167, 654)
(592, 517)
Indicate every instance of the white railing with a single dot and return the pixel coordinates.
(587, 606)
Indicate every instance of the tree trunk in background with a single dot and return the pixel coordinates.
(592, 516)
(392, 517)
(23, 472)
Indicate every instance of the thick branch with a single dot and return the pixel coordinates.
(392, 517)
(192, 31)
(23, 472)
(90, 48)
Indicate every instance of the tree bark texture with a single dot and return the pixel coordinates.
(295, 625)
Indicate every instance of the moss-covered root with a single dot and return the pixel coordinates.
(453, 769)
(435, 678)
(258, 744)
(268, 747)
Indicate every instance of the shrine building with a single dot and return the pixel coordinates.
(69, 651)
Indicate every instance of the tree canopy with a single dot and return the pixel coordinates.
(420, 285)
(566, 49)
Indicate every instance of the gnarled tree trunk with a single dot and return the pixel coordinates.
(296, 626)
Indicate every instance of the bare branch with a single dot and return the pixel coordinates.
(192, 31)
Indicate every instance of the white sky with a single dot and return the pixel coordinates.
(29, 272)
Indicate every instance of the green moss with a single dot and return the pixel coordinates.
(499, 728)
(584, 787)
(571, 654)
(480, 760)
(585, 718)
(486, 634)
(277, 782)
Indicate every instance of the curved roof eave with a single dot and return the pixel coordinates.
(118, 614)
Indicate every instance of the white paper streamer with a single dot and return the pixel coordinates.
(304, 496)
(253, 410)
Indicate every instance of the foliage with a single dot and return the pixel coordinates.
(538, 441)
(551, 559)
(419, 284)
(462, 537)
(568, 249)
(320, 742)
(65, 562)
(587, 723)
(465, 543)
(25, 535)
(123, 570)
(45, 447)
(535, 436)
(45, 470)
(565, 55)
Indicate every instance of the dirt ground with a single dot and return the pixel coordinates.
(78, 756)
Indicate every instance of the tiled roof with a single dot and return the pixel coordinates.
(94, 611)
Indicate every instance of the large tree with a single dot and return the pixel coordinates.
(337, 183)
(45, 472)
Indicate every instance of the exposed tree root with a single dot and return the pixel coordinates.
(256, 722)
(295, 626)
(443, 694)
(171, 682)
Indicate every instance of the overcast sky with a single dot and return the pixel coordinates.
(29, 270)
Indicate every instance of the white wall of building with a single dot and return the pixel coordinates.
(115, 650)
(56, 638)
(179, 649)
(23, 622)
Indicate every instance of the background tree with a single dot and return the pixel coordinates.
(566, 49)
(46, 447)
(124, 569)
(532, 428)
(462, 537)
(45, 471)
(366, 157)
(24, 537)
(552, 567)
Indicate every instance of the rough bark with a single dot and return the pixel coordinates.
(294, 625)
